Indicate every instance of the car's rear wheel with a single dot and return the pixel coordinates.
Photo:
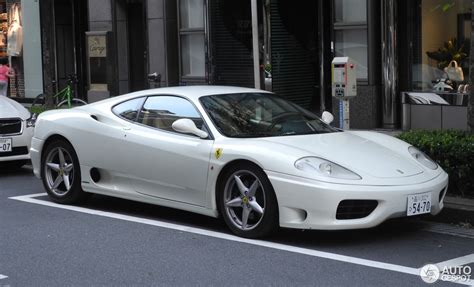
(247, 201)
(61, 173)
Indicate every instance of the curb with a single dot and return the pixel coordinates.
(459, 203)
(448, 229)
(457, 211)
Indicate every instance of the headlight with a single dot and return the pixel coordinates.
(325, 168)
(30, 123)
(422, 158)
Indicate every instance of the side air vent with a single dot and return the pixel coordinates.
(442, 193)
(355, 209)
(95, 175)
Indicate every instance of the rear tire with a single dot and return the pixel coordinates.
(61, 174)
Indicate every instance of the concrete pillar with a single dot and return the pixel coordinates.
(163, 52)
(100, 15)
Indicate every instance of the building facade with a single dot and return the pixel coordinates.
(397, 46)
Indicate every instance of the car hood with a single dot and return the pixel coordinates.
(12, 109)
(360, 154)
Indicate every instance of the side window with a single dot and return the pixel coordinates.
(129, 109)
(161, 112)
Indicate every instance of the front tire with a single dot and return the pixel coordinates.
(60, 172)
(247, 201)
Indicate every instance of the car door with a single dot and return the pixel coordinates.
(168, 164)
(102, 143)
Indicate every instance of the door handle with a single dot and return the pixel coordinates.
(126, 128)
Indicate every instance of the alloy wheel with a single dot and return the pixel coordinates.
(244, 200)
(59, 171)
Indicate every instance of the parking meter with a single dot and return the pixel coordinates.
(344, 86)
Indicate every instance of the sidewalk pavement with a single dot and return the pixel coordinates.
(459, 203)
(457, 211)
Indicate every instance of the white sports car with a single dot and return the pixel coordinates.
(16, 131)
(254, 158)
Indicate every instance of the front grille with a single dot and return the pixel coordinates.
(10, 126)
(354, 209)
(20, 150)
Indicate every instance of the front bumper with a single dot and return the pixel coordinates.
(20, 143)
(310, 204)
(35, 151)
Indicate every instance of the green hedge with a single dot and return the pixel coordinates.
(453, 150)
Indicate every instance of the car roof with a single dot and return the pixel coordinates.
(191, 92)
(195, 92)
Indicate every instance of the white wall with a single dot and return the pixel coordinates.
(32, 63)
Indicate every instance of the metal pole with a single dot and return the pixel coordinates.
(389, 64)
(323, 55)
(255, 45)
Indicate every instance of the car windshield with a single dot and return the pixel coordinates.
(261, 115)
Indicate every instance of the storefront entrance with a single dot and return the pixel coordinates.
(230, 46)
(63, 25)
(294, 49)
(136, 45)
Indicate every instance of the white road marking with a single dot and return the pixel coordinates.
(3, 276)
(305, 251)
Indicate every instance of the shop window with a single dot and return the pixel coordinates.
(20, 47)
(350, 25)
(440, 60)
(192, 39)
(350, 10)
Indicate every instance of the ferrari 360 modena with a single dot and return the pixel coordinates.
(255, 159)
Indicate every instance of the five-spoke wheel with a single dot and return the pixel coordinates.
(60, 172)
(247, 201)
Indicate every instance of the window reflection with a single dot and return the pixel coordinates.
(129, 109)
(162, 111)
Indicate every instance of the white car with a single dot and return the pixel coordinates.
(247, 155)
(16, 131)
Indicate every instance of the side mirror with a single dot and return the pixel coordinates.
(187, 126)
(327, 117)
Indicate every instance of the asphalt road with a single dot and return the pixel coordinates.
(113, 242)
